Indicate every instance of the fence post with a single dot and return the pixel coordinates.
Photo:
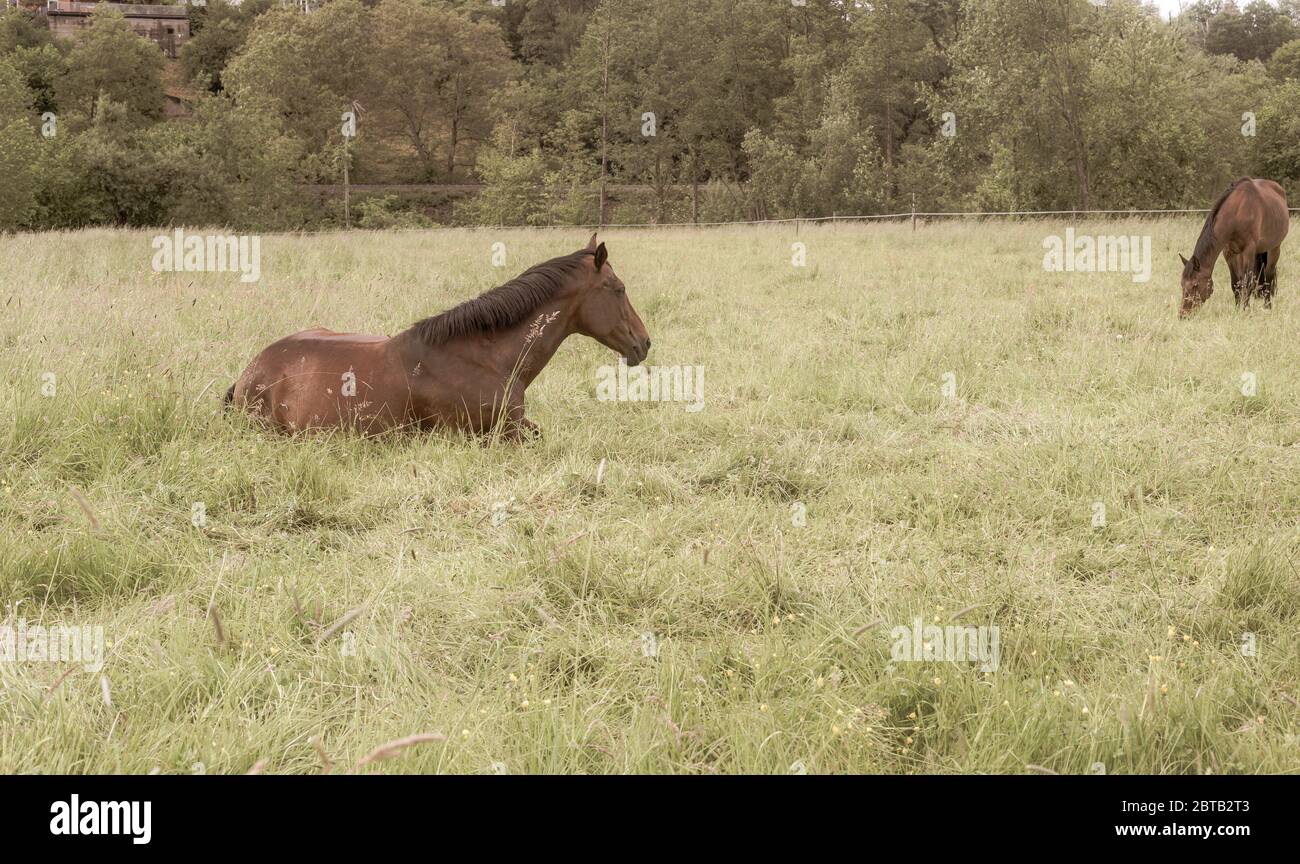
(347, 189)
(914, 212)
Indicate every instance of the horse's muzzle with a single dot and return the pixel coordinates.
(638, 354)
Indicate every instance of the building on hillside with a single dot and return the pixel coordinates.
(168, 26)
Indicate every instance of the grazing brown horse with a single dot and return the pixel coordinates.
(1247, 225)
(465, 369)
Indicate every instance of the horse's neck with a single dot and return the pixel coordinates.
(1209, 244)
(525, 348)
(516, 353)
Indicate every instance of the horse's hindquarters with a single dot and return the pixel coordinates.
(320, 379)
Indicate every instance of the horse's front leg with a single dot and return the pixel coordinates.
(530, 430)
(1248, 266)
(1268, 282)
(1237, 272)
(519, 429)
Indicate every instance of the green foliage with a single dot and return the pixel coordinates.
(18, 149)
(1252, 32)
(1279, 136)
(21, 29)
(225, 166)
(579, 111)
(219, 31)
(308, 69)
(431, 76)
(110, 61)
(838, 171)
(1285, 62)
(33, 52)
(1074, 105)
(514, 191)
(42, 67)
(387, 213)
(124, 180)
(229, 166)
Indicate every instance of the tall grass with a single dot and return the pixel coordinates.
(671, 617)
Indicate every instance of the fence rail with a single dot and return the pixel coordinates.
(918, 214)
(913, 215)
(907, 215)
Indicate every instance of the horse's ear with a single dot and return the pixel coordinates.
(1181, 258)
(602, 255)
(591, 244)
(1196, 264)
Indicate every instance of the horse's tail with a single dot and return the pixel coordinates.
(230, 396)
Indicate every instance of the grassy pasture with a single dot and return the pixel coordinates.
(521, 639)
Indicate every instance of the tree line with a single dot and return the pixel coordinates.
(711, 109)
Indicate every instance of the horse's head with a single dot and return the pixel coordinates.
(1198, 284)
(605, 313)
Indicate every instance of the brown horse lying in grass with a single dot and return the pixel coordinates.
(465, 369)
(1247, 225)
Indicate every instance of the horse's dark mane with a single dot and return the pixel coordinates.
(1206, 241)
(501, 306)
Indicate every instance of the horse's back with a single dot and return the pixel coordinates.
(320, 334)
(1253, 215)
(1274, 187)
(1277, 216)
(1269, 194)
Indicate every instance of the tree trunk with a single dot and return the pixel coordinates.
(659, 187)
(451, 147)
(347, 187)
(456, 111)
(889, 131)
(695, 188)
(604, 130)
